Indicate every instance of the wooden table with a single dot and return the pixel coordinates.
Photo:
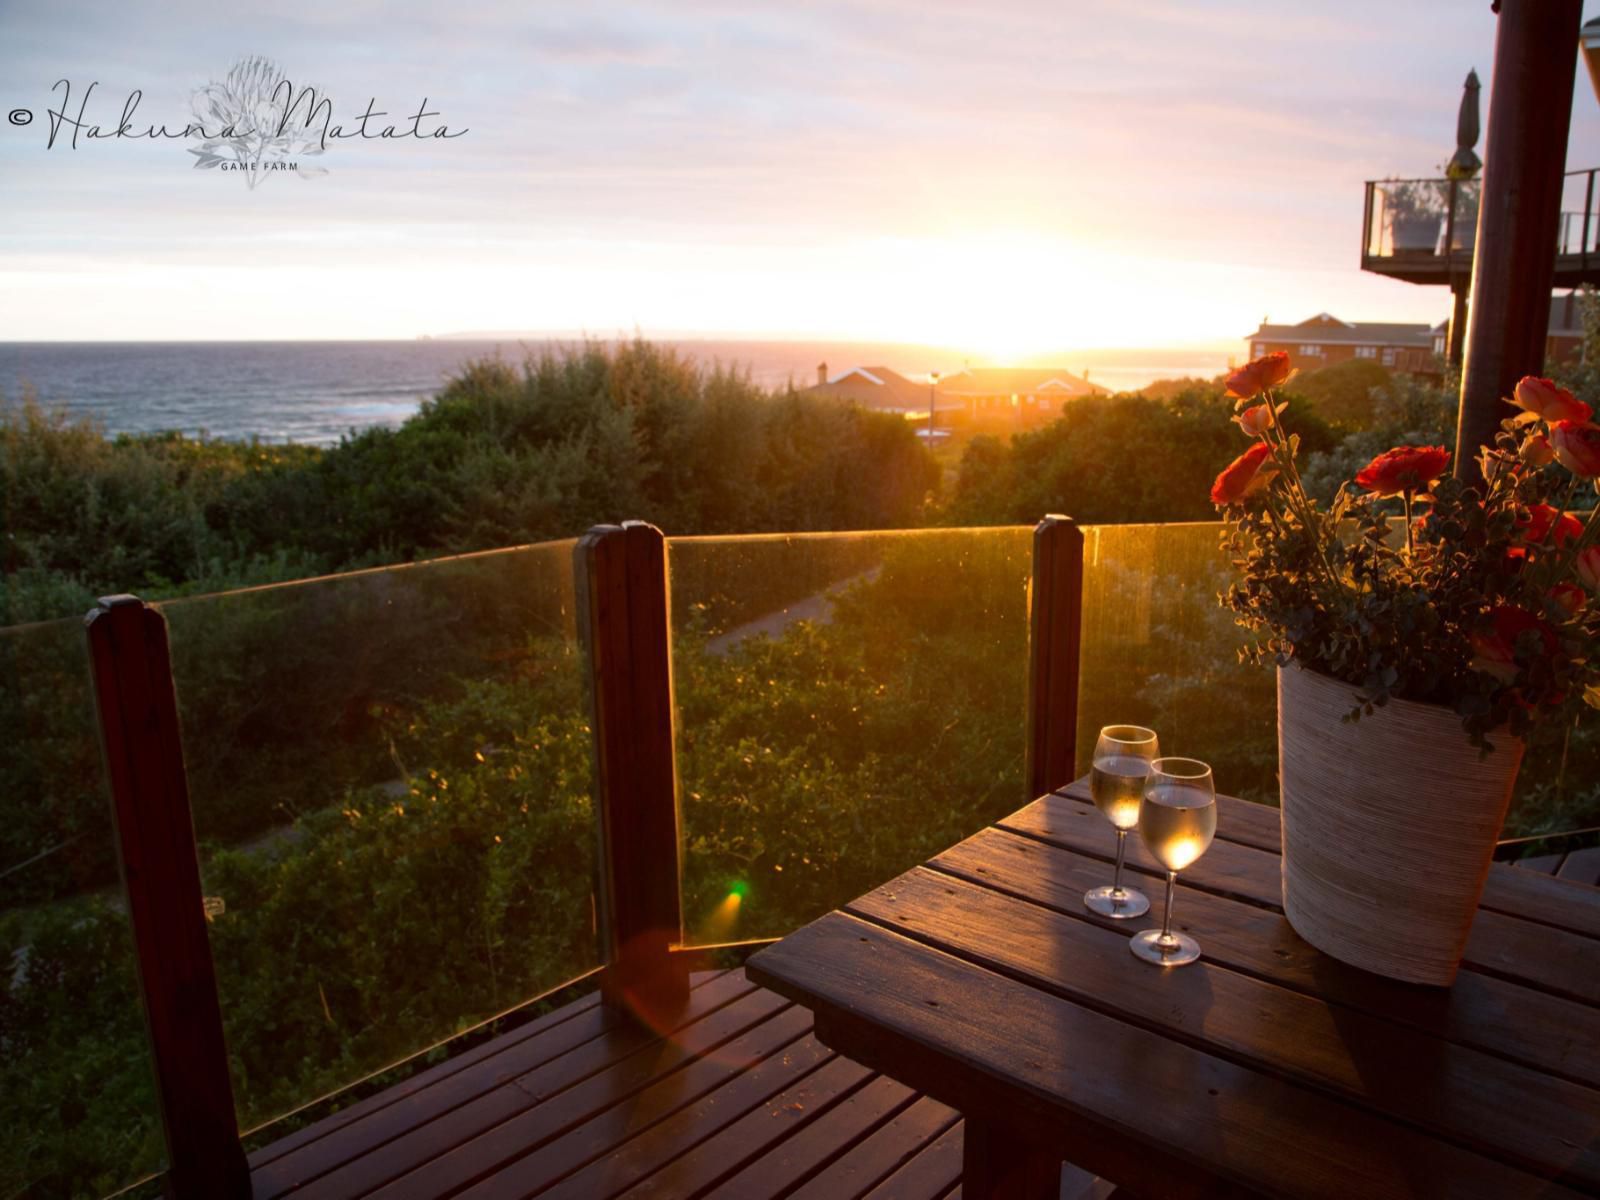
(1267, 1068)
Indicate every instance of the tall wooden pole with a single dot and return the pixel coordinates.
(1513, 268)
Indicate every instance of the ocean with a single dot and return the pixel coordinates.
(315, 392)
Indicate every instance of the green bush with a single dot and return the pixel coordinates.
(1111, 459)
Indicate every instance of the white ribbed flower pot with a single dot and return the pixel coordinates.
(1389, 825)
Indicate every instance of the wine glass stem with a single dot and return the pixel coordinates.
(1166, 920)
(1116, 879)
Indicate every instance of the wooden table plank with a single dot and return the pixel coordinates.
(1117, 1099)
(1498, 1016)
(1509, 889)
(1582, 867)
(1540, 955)
(1480, 1102)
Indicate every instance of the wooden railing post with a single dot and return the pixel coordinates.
(138, 714)
(623, 619)
(1055, 633)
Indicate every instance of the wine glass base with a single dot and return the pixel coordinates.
(1108, 903)
(1179, 950)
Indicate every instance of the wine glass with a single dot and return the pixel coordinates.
(1177, 820)
(1116, 781)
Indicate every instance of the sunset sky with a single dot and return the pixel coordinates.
(1005, 177)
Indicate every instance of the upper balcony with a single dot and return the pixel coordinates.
(1423, 230)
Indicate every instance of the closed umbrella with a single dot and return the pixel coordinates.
(1464, 163)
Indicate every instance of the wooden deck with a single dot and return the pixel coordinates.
(737, 1101)
(1580, 866)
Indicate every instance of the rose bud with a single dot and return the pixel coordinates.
(1537, 451)
(1256, 421)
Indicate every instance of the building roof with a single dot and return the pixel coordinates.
(876, 387)
(1566, 320)
(884, 387)
(1330, 329)
(1017, 381)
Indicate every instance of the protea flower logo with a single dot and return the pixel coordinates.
(256, 122)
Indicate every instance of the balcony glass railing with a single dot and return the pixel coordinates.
(1416, 222)
(1160, 651)
(390, 778)
(390, 774)
(77, 1095)
(847, 705)
(1412, 218)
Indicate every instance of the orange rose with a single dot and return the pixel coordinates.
(1246, 475)
(1256, 421)
(1404, 469)
(1588, 568)
(1577, 445)
(1545, 399)
(1537, 451)
(1544, 522)
(1494, 646)
(1567, 598)
(1253, 378)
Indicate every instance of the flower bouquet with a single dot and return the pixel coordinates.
(1421, 624)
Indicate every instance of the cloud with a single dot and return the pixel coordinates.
(1199, 137)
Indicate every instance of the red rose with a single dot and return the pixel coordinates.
(1244, 476)
(1567, 597)
(1494, 645)
(1404, 469)
(1577, 445)
(1543, 522)
(1545, 399)
(1256, 377)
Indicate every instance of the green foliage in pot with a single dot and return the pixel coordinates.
(1482, 601)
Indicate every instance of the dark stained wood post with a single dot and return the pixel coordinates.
(1055, 633)
(998, 1165)
(140, 739)
(623, 618)
(1513, 268)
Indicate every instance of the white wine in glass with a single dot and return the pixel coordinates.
(1117, 776)
(1177, 820)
